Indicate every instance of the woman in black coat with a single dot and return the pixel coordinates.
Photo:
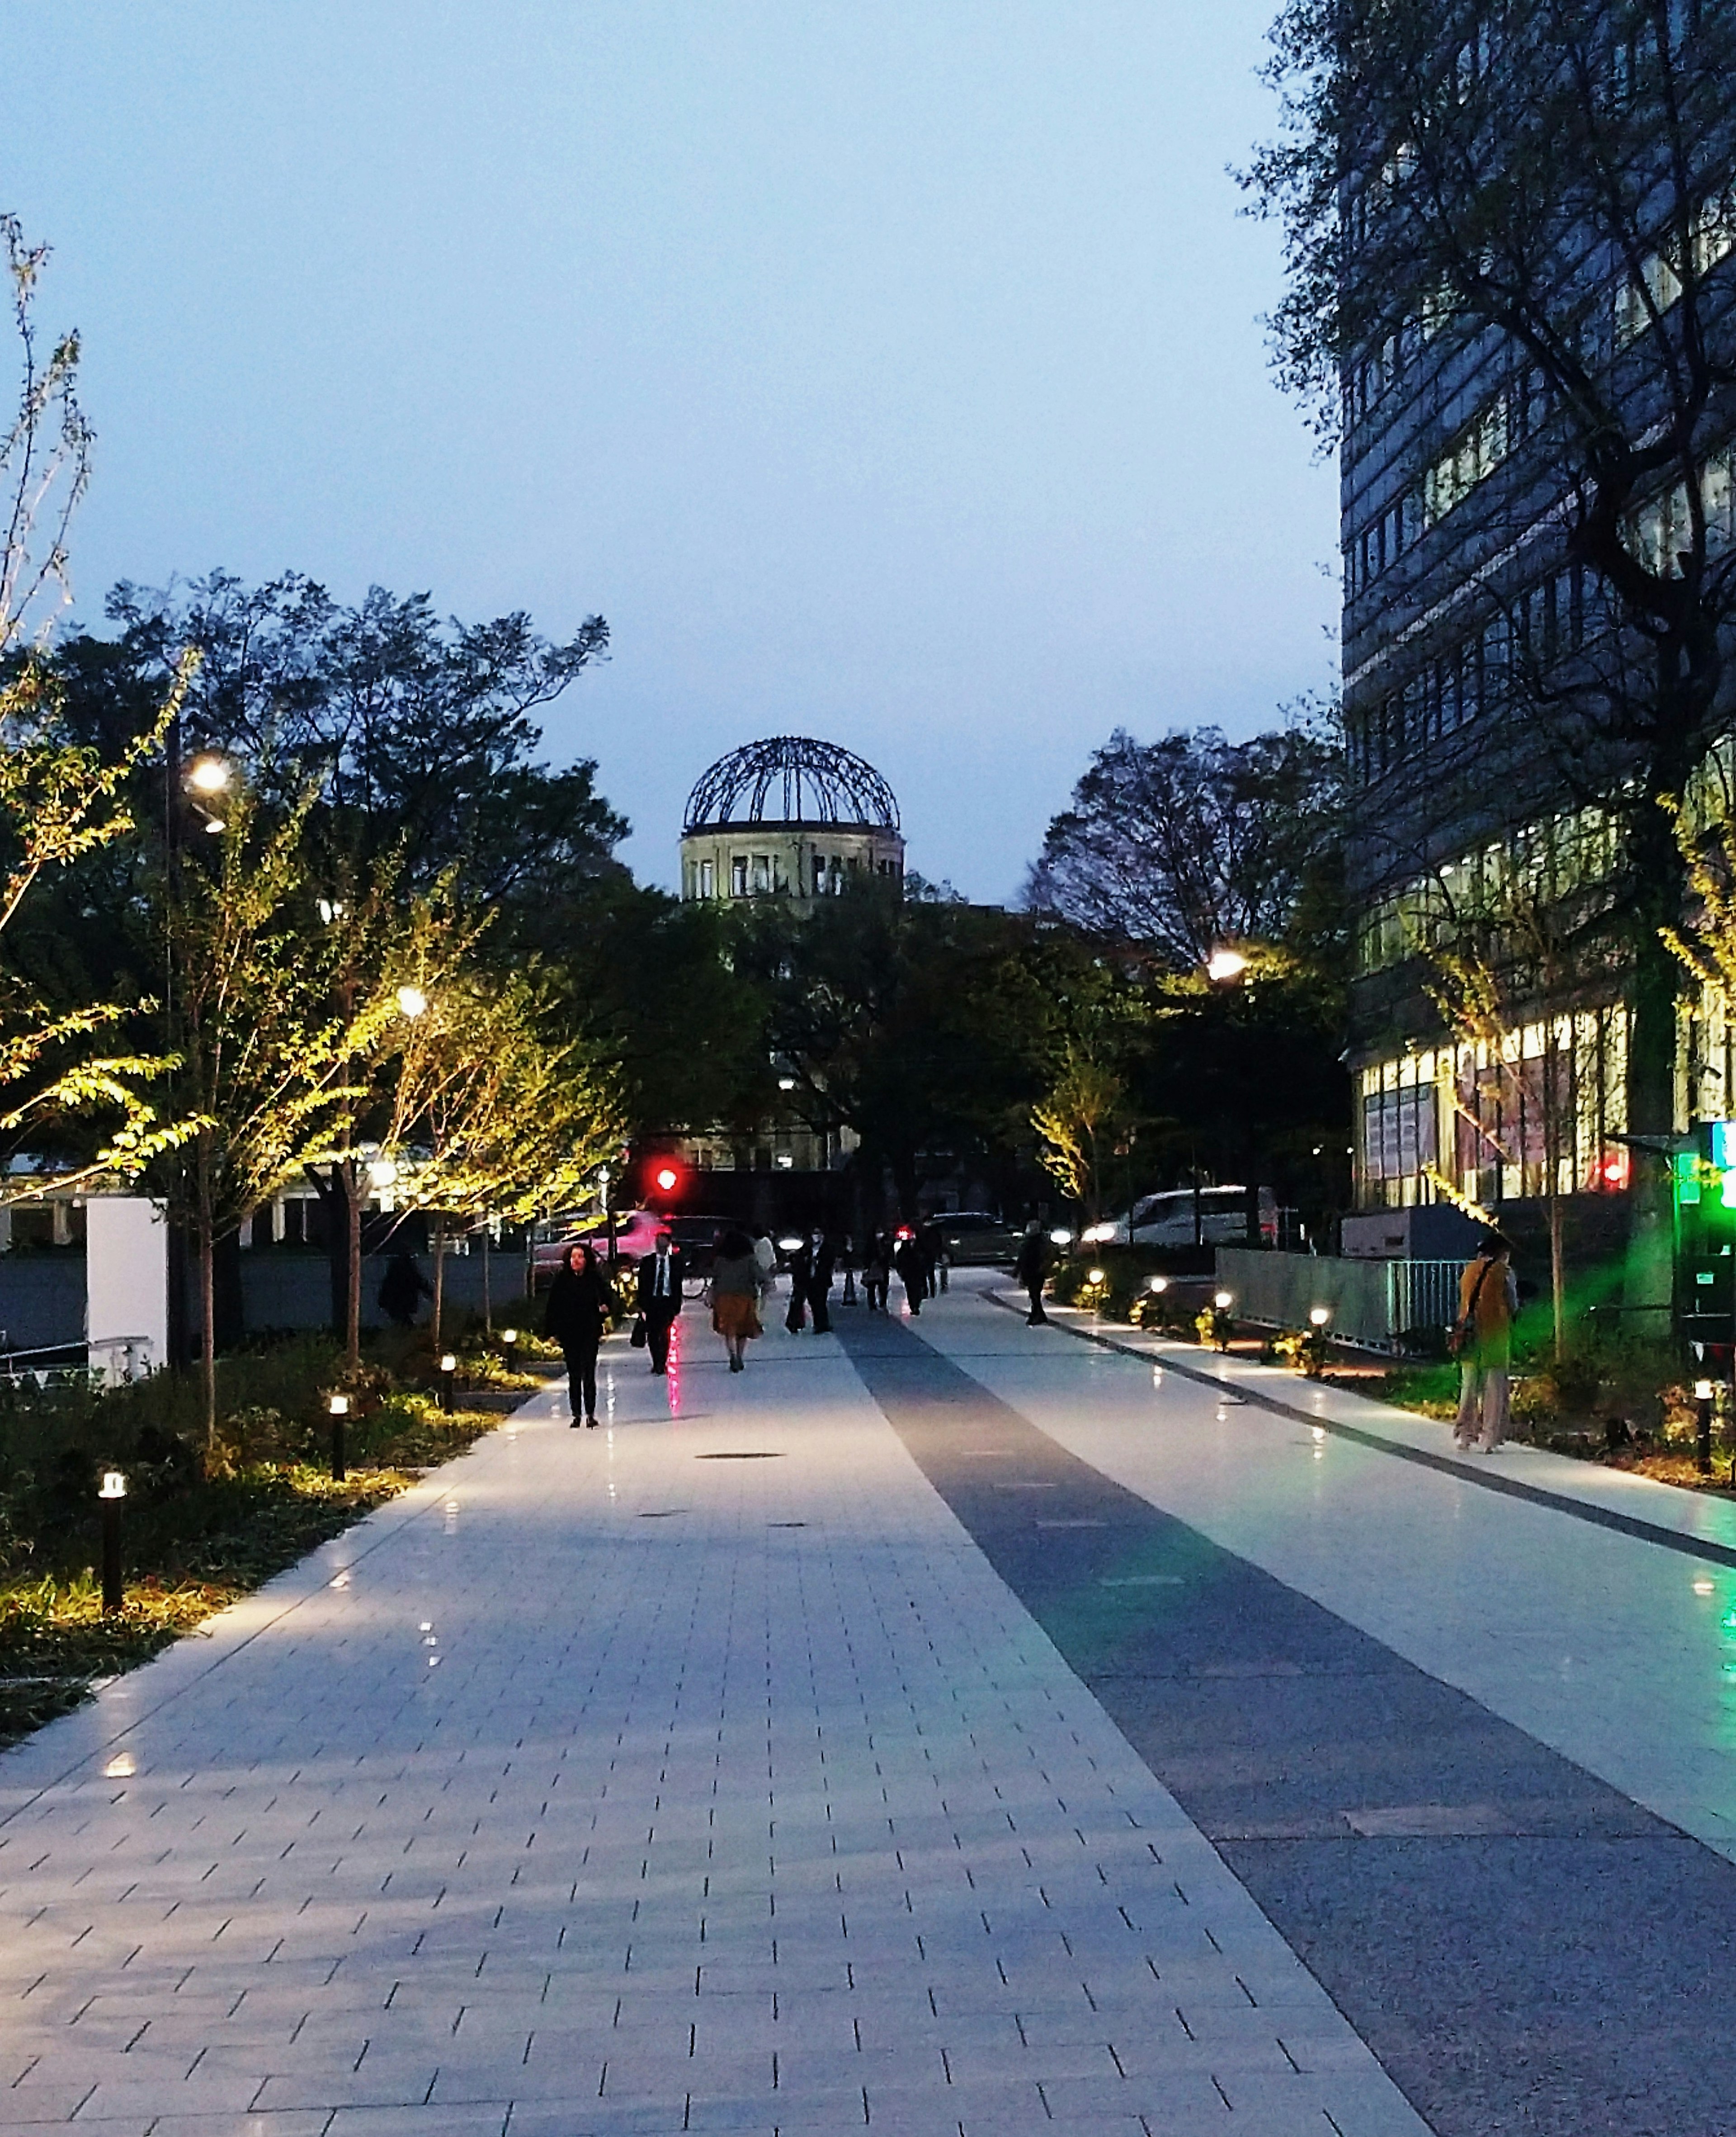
(581, 1306)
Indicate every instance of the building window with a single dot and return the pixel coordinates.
(738, 876)
(762, 872)
(1475, 454)
(708, 878)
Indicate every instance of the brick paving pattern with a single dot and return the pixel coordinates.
(604, 1788)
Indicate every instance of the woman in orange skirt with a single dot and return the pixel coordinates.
(736, 1295)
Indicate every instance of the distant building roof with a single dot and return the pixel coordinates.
(788, 779)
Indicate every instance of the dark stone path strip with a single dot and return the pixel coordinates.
(1525, 1949)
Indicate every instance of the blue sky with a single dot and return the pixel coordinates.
(888, 371)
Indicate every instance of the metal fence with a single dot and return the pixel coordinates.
(1386, 1305)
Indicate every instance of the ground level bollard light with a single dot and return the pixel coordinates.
(448, 1368)
(112, 1496)
(1157, 1285)
(1703, 1426)
(338, 1409)
(509, 1344)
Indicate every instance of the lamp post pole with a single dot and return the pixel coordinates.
(111, 1498)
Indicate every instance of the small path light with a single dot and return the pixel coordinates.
(1096, 1275)
(112, 1496)
(509, 1344)
(337, 1408)
(448, 1368)
(1158, 1285)
(1223, 1300)
(1703, 1425)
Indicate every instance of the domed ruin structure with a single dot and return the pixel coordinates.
(789, 817)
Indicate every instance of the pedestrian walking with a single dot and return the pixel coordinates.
(581, 1304)
(907, 1260)
(403, 1289)
(1482, 1339)
(735, 1291)
(876, 1272)
(819, 1282)
(847, 1270)
(659, 1281)
(764, 1255)
(1032, 1269)
(931, 1245)
(801, 1276)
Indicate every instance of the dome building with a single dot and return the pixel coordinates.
(789, 818)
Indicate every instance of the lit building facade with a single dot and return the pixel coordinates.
(1466, 611)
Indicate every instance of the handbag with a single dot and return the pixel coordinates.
(638, 1338)
(1462, 1333)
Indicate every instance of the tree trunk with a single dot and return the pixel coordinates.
(487, 1303)
(1658, 878)
(353, 1292)
(208, 1334)
(440, 1283)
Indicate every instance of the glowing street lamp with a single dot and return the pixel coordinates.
(1224, 965)
(1157, 1284)
(210, 775)
(412, 1002)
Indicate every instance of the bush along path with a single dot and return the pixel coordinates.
(203, 1525)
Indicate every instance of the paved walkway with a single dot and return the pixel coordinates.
(942, 1728)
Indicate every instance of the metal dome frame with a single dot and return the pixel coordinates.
(820, 784)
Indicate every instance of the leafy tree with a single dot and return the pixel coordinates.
(423, 733)
(1191, 842)
(924, 1025)
(66, 1068)
(1540, 194)
(270, 1051)
(1078, 1117)
(664, 986)
(489, 1118)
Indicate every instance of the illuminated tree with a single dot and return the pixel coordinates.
(274, 1055)
(490, 1118)
(60, 800)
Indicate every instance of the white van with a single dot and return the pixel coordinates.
(1167, 1220)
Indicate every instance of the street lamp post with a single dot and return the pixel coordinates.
(112, 1497)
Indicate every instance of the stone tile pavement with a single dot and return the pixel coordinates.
(614, 1783)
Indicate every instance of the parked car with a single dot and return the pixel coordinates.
(975, 1236)
(1167, 1220)
(635, 1234)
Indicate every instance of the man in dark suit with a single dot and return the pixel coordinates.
(660, 1297)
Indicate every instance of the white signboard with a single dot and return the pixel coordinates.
(126, 1284)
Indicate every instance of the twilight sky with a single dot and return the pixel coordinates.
(883, 370)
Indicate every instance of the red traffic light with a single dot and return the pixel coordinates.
(664, 1176)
